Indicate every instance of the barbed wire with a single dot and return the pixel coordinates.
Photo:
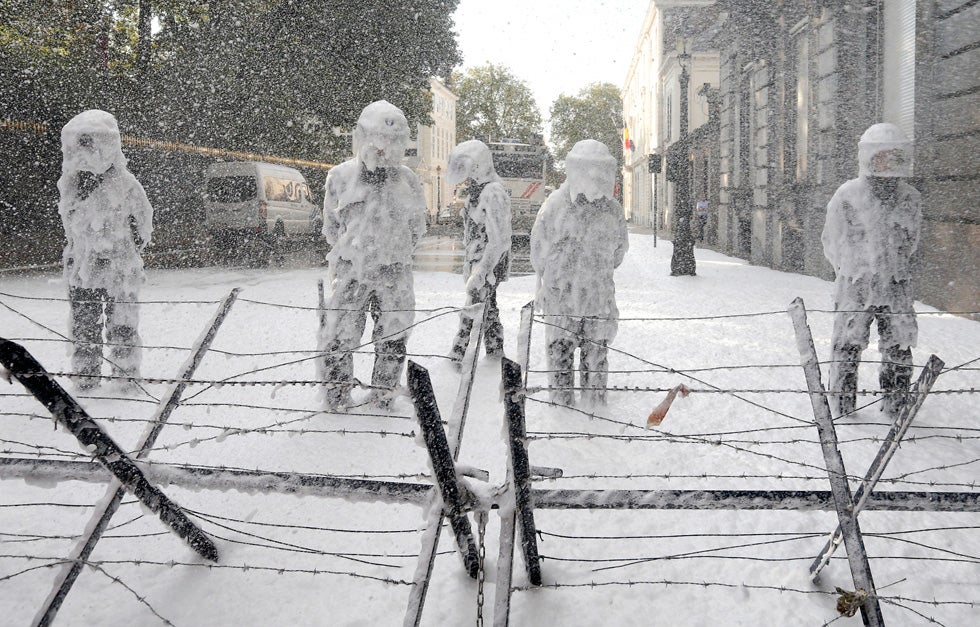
(267, 429)
(29, 569)
(278, 545)
(752, 534)
(265, 542)
(723, 584)
(897, 601)
(823, 362)
(616, 563)
(722, 443)
(914, 428)
(745, 476)
(755, 314)
(444, 309)
(55, 450)
(214, 566)
(48, 504)
(656, 365)
(188, 426)
(374, 340)
(963, 366)
(256, 523)
(804, 440)
(208, 404)
(272, 408)
(937, 549)
(147, 462)
(220, 351)
(668, 582)
(734, 391)
(938, 467)
(63, 299)
(929, 619)
(61, 335)
(116, 580)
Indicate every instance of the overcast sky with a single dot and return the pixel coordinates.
(556, 46)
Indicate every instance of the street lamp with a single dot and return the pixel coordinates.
(438, 192)
(682, 262)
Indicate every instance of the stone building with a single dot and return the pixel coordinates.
(799, 81)
(429, 151)
(652, 100)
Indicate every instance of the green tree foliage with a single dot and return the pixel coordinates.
(494, 104)
(279, 77)
(273, 76)
(596, 112)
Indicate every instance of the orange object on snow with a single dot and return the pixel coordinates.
(660, 411)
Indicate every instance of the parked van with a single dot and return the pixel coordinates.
(252, 197)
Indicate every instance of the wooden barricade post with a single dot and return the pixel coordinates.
(442, 464)
(520, 467)
(69, 414)
(117, 489)
(857, 557)
(524, 338)
(885, 453)
(440, 449)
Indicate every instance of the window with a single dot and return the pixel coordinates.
(513, 165)
(232, 189)
(802, 104)
(898, 79)
(285, 190)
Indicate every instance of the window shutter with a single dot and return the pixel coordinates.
(898, 89)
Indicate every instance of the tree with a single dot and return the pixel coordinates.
(278, 77)
(494, 104)
(264, 76)
(596, 112)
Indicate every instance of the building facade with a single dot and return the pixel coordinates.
(799, 82)
(652, 100)
(430, 150)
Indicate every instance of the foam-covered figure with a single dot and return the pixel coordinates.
(108, 222)
(487, 237)
(579, 238)
(872, 229)
(373, 217)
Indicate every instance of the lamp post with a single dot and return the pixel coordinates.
(438, 192)
(682, 262)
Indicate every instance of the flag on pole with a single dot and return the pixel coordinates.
(626, 138)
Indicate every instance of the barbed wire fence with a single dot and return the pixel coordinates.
(53, 462)
(778, 436)
(766, 431)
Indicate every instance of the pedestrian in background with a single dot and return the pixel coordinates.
(701, 215)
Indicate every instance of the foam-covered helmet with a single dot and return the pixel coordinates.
(884, 151)
(470, 160)
(381, 136)
(90, 142)
(591, 170)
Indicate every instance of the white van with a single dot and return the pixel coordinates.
(252, 197)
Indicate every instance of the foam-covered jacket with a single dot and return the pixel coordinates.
(372, 224)
(575, 248)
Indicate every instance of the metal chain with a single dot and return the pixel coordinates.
(481, 523)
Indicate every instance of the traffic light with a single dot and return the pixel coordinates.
(655, 163)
